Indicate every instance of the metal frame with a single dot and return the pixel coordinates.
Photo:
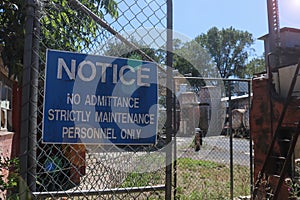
(30, 104)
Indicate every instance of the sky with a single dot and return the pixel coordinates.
(194, 17)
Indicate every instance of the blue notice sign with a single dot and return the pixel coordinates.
(99, 99)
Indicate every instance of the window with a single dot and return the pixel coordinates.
(6, 107)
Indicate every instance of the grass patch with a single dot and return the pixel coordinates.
(191, 164)
(143, 179)
(197, 180)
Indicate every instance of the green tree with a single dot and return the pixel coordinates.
(118, 48)
(12, 19)
(191, 58)
(255, 66)
(61, 27)
(229, 49)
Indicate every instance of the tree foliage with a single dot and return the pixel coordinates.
(118, 48)
(65, 27)
(229, 49)
(190, 58)
(12, 20)
(255, 66)
(61, 26)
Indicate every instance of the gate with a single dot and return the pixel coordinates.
(110, 28)
(213, 141)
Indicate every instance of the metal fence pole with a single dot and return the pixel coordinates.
(33, 112)
(26, 79)
(169, 130)
(231, 140)
(250, 142)
(175, 117)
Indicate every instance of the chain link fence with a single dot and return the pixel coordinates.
(89, 171)
(210, 144)
(213, 141)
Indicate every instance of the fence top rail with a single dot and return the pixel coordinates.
(99, 192)
(206, 78)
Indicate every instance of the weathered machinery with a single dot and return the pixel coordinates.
(275, 113)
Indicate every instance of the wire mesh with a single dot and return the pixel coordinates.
(213, 144)
(96, 171)
(212, 139)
